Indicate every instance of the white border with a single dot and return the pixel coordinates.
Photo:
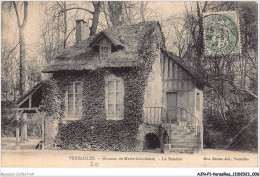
(130, 171)
(123, 171)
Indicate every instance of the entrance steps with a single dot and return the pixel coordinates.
(182, 138)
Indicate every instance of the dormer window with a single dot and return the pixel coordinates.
(104, 47)
(104, 51)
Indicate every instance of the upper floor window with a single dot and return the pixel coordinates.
(74, 100)
(114, 98)
(104, 51)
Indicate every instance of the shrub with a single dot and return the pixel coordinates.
(238, 132)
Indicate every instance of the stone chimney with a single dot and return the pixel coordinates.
(82, 30)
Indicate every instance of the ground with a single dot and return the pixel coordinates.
(28, 156)
(8, 143)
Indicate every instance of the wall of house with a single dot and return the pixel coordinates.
(199, 112)
(177, 80)
(51, 130)
(153, 93)
(93, 131)
(145, 129)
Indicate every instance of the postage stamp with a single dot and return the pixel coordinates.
(221, 33)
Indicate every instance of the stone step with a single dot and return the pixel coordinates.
(188, 137)
(185, 145)
(183, 136)
(191, 143)
(179, 128)
(193, 146)
(182, 150)
(183, 133)
(173, 125)
(188, 141)
(178, 123)
(179, 131)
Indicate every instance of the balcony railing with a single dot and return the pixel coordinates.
(154, 115)
(159, 115)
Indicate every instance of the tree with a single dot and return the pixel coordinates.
(118, 13)
(9, 68)
(95, 13)
(58, 24)
(143, 10)
(95, 20)
(21, 26)
(22, 80)
(231, 80)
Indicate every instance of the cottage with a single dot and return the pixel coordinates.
(119, 90)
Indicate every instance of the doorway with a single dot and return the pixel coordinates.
(172, 107)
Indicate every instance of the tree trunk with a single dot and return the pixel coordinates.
(58, 33)
(22, 80)
(22, 45)
(199, 45)
(65, 25)
(95, 20)
(24, 134)
(142, 11)
(22, 63)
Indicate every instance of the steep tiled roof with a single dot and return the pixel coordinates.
(82, 56)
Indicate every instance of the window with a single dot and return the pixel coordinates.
(198, 101)
(114, 98)
(105, 51)
(74, 100)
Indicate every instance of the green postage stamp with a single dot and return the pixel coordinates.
(221, 33)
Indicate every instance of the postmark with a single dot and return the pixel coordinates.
(221, 34)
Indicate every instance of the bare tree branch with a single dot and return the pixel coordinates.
(75, 8)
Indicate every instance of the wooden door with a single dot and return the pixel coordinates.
(172, 107)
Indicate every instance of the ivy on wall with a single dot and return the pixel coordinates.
(93, 131)
(53, 98)
(97, 135)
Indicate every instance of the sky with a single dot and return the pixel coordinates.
(9, 27)
(166, 8)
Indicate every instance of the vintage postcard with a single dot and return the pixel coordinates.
(129, 84)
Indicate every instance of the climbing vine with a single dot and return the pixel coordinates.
(93, 131)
